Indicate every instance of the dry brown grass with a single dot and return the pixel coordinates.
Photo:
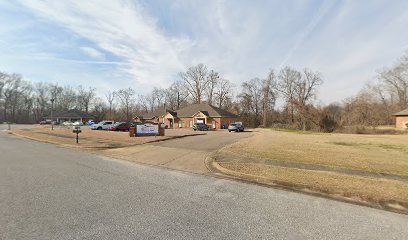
(87, 139)
(374, 153)
(380, 191)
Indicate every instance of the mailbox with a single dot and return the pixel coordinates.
(77, 130)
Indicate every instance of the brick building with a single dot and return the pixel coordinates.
(401, 119)
(214, 117)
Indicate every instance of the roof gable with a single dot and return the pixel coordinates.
(207, 109)
(402, 113)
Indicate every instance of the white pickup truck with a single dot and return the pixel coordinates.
(104, 125)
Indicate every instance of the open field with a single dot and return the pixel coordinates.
(366, 168)
(374, 153)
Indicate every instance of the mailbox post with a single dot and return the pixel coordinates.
(77, 130)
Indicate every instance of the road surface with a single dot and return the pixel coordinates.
(50, 192)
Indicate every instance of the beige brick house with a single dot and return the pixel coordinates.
(213, 116)
(401, 119)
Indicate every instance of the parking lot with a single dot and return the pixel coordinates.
(210, 141)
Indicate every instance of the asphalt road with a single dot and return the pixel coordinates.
(49, 192)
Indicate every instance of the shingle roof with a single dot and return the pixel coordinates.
(207, 109)
(157, 113)
(402, 113)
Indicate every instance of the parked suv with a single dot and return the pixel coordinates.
(236, 126)
(104, 125)
(200, 127)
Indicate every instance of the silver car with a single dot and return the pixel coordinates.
(236, 126)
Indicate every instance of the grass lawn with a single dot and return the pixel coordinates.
(387, 193)
(374, 153)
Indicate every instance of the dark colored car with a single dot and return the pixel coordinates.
(236, 127)
(121, 127)
(200, 127)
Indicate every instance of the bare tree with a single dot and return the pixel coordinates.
(305, 92)
(176, 96)
(251, 100)
(196, 81)
(223, 92)
(85, 97)
(213, 81)
(126, 97)
(287, 81)
(395, 80)
(269, 96)
(110, 97)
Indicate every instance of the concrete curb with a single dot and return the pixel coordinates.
(220, 171)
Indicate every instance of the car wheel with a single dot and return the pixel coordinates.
(229, 130)
(99, 128)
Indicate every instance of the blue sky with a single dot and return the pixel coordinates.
(143, 44)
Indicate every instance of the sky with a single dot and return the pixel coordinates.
(144, 44)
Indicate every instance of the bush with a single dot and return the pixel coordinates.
(368, 130)
(327, 124)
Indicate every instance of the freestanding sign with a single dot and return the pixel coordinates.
(147, 130)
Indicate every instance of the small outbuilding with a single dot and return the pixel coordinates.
(401, 119)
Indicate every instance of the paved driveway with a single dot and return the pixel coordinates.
(49, 192)
(211, 141)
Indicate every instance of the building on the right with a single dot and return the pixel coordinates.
(401, 119)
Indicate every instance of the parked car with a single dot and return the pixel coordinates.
(67, 123)
(236, 126)
(43, 122)
(200, 127)
(104, 125)
(162, 125)
(78, 123)
(90, 122)
(121, 126)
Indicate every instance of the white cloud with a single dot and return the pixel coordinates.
(92, 52)
(120, 28)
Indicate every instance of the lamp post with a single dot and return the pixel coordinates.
(52, 113)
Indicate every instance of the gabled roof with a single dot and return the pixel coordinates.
(160, 112)
(402, 113)
(205, 108)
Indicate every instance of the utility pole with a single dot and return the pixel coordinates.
(52, 113)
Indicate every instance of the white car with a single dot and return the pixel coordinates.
(104, 125)
(78, 123)
(67, 123)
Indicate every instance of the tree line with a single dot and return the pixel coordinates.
(297, 90)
